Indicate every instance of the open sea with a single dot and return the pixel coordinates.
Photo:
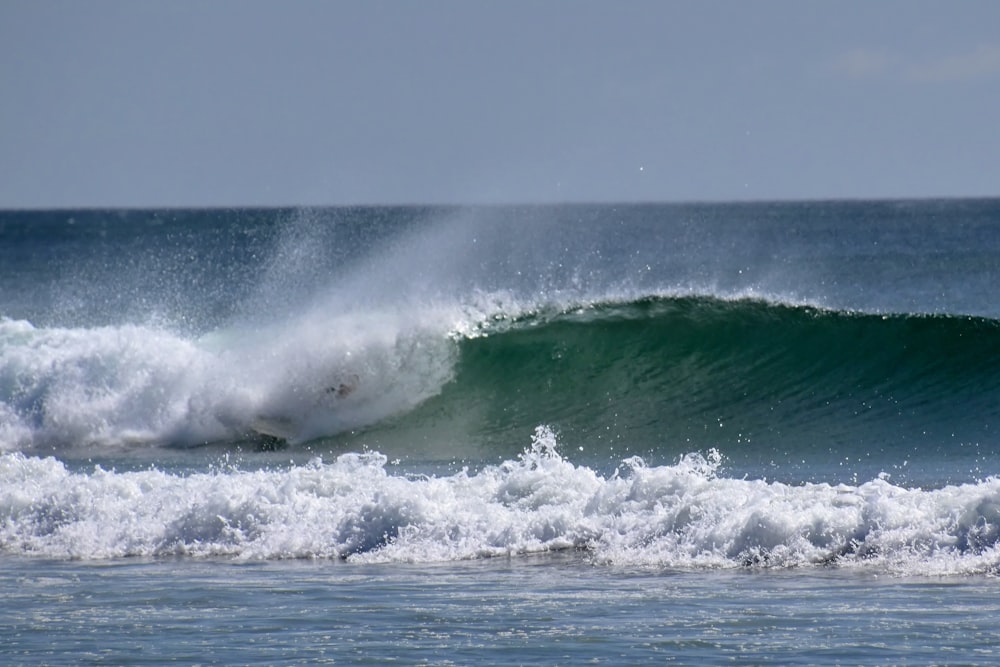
(759, 433)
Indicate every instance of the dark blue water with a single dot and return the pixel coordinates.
(436, 433)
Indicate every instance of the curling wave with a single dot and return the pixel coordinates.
(654, 372)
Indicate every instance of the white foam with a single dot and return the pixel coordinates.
(101, 385)
(127, 384)
(679, 516)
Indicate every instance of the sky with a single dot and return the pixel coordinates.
(132, 103)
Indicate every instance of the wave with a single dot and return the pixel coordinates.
(358, 508)
(665, 373)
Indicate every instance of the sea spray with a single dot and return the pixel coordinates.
(130, 385)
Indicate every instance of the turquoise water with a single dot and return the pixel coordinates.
(506, 435)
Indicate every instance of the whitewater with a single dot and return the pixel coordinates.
(680, 516)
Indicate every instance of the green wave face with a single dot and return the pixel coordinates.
(662, 376)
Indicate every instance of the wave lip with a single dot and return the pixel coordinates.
(681, 516)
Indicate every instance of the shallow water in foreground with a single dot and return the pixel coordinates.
(548, 609)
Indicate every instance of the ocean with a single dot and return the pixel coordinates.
(697, 433)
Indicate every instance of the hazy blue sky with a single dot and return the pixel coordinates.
(146, 102)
